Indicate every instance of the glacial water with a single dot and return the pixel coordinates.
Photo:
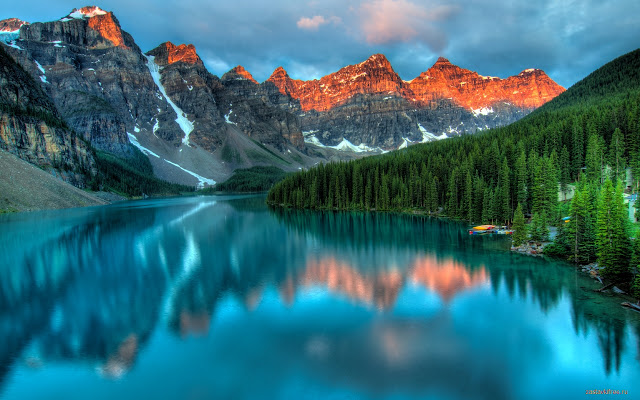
(223, 298)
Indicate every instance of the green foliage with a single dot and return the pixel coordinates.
(258, 155)
(133, 176)
(617, 78)
(635, 267)
(561, 246)
(519, 227)
(538, 229)
(229, 154)
(635, 287)
(635, 254)
(38, 114)
(255, 179)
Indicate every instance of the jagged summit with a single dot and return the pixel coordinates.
(11, 24)
(529, 71)
(443, 81)
(374, 75)
(284, 83)
(239, 72)
(168, 53)
(442, 60)
(280, 71)
(528, 90)
(378, 60)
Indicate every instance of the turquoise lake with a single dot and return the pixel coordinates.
(224, 298)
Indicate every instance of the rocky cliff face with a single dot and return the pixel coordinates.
(196, 128)
(374, 75)
(368, 104)
(272, 122)
(213, 103)
(165, 102)
(32, 128)
(94, 73)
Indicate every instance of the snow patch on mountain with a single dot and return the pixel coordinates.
(10, 36)
(202, 180)
(344, 145)
(405, 143)
(43, 77)
(134, 141)
(182, 120)
(428, 136)
(87, 12)
(226, 118)
(482, 111)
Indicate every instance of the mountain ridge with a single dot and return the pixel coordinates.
(197, 128)
(451, 82)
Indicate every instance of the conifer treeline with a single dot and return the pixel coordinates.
(483, 177)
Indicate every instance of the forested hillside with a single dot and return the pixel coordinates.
(593, 128)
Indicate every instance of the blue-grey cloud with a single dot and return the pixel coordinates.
(568, 39)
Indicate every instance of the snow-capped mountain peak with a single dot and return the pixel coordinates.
(86, 12)
(12, 25)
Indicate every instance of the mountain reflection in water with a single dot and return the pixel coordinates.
(367, 302)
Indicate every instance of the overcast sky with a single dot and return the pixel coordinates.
(568, 39)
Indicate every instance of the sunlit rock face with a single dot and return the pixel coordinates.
(368, 103)
(528, 90)
(375, 75)
(168, 53)
(164, 102)
(32, 128)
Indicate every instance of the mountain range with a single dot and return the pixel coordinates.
(80, 87)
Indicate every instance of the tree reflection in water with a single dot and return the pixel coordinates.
(95, 285)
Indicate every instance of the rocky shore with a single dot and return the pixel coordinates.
(530, 248)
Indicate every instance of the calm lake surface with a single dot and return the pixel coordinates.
(223, 298)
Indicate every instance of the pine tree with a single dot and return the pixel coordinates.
(595, 158)
(581, 227)
(565, 171)
(535, 227)
(617, 154)
(433, 195)
(521, 180)
(519, 227)
(635, 267)
(577, 146)
(635, 287)
(612, 238)
(543, 228)
(503, 195)
(551, 175)
(468, 197)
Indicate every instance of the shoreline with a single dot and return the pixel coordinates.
(532, 249)
(536, 249)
